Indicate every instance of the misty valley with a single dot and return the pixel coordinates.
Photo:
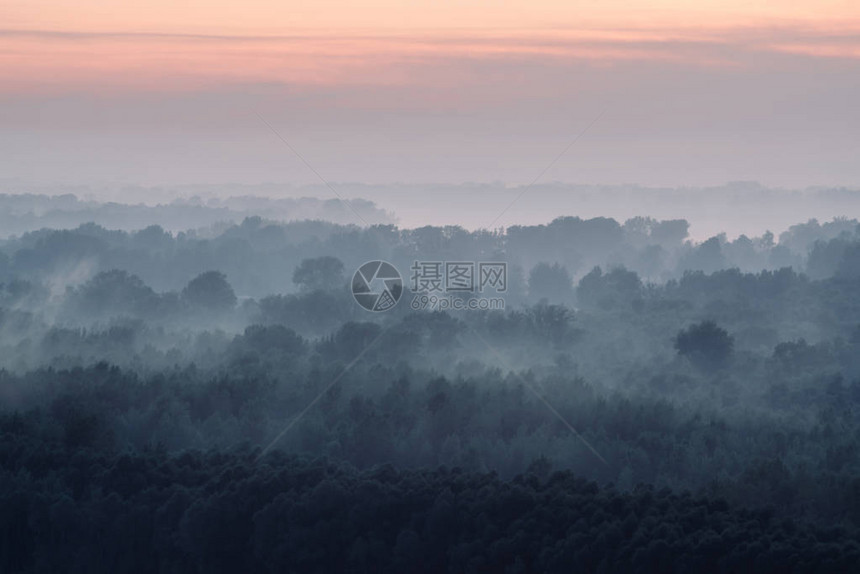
(216, 399)
(429, 287)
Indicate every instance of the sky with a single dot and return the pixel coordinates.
(655, 93)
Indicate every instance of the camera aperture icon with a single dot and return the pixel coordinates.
(377, 286)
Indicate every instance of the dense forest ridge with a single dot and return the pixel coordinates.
(730, 369)
(260, 255)
(227, 512)
(667, 380)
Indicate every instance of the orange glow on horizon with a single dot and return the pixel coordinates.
(265, 17)
(165, 45)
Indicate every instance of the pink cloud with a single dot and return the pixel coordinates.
(50, 62)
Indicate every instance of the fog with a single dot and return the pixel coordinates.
(733, 209)
(627, 352)
(431, 286)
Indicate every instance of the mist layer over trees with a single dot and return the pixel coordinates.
(208, 402)
(67, 207)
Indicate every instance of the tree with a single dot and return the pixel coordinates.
(551, 282)
(618, 288)
(670, 232)
(114, 292)
(319, 273)
(210, 291)
(705, 344)
(707, 256)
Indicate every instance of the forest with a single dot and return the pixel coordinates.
(214, 400)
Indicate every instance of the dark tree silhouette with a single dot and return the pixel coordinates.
(210, 291)
(320, 273)
(551, 282)
(705, 343)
